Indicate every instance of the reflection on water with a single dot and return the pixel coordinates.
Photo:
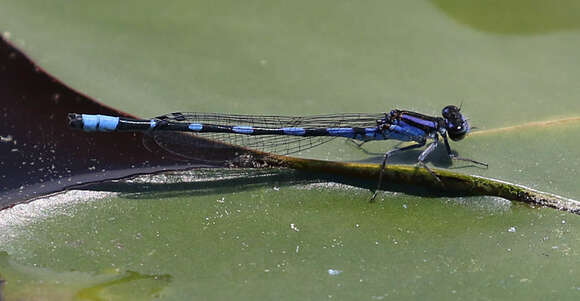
(514, 16)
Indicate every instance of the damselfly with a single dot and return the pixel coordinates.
(291, 134)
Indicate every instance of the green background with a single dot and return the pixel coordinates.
(508, 62)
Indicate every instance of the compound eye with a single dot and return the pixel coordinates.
(449, 111)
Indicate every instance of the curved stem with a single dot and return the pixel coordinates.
(451, 183)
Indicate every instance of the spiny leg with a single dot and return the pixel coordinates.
(355, 143)
(359, 146)
(455, 157)
(421, 161)
(383, 165)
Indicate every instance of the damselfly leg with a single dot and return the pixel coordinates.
(386, 157)
(359, 146)
(355, 143)
(452, 156)
(421, 161)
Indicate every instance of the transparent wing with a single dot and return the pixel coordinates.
(279, 144)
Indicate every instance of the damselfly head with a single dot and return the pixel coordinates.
(456, 124)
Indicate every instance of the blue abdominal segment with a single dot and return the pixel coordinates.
(196, 127)
(341, 132)
(294, 131)
(101, 123)
(370, 133)
(243, 129)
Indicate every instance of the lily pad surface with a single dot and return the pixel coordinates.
(217, 234)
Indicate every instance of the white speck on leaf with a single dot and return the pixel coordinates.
(333, 272)
(294, 227)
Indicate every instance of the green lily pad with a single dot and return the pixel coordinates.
(280, 240)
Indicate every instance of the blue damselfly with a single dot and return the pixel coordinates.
(292, 134)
